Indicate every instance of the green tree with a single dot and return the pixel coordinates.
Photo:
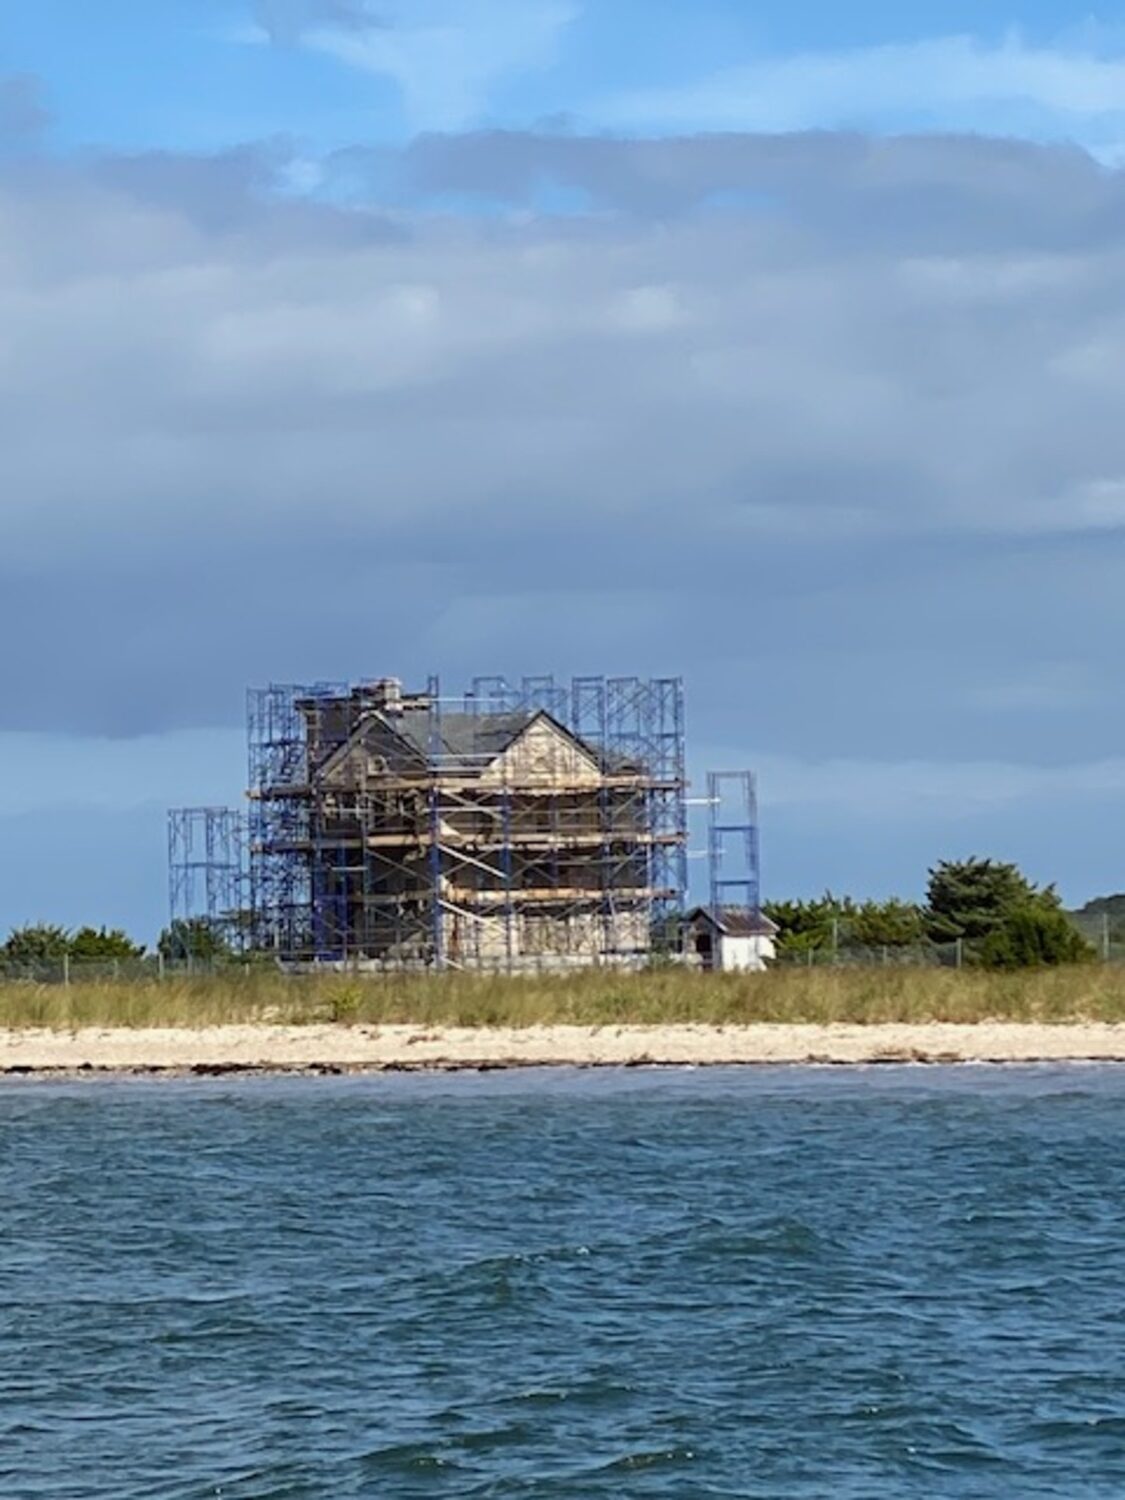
(841, 922)
(1032, 937)
(887, 924)
(90, 943)
(1000, 917)
(971, 899)
(803, 926)
(195, 938)
(36, 943)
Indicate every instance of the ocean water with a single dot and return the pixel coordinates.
(799, 1283)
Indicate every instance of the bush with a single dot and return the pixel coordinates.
(37, 943)
(100, 943)
(1032, 937)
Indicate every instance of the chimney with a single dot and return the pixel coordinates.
(385, 695)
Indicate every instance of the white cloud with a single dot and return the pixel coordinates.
(445, 56)
(955, 82)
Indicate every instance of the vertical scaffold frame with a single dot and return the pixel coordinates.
(734, 856)
(208, 870)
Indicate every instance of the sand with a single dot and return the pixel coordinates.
(325, 1048)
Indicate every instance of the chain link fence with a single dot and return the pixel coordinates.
(65, 969)
(844, 954)
(840, 948)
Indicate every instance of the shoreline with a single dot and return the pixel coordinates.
(332, 1049)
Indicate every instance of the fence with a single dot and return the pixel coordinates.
(67, 970)
(835, 950)
(842, 954)
(838, 948)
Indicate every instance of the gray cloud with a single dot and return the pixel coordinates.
(23, 114)
(854, 466)
(933, 193)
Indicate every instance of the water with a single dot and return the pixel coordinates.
(780, 1283)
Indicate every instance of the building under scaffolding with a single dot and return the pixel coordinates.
(538, 826)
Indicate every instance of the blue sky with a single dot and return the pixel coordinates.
(777, 345)
(204, 74)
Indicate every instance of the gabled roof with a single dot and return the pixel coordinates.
(464, 742)
(736, 921)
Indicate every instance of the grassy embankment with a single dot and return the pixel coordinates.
(1088, 993)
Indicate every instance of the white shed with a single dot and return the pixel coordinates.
(735, 940)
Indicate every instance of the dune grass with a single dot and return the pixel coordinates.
(1086, 993)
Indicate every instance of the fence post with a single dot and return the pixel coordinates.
(960, 951)
(1105, 937)
(66, 969)
(160, 963)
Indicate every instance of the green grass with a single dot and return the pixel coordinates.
(1089, 992)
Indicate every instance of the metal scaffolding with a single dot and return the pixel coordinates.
(207, 870)
(733, 845)
(512, 826)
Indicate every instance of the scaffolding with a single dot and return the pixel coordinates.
(734, 859)
(512, 826)
(207, 871)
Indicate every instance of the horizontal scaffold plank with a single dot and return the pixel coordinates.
(552, 787)
(619, 897)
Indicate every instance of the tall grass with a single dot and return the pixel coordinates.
(586, 999)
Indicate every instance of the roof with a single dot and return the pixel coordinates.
(467, 743)
(736, 921)
(464, 740)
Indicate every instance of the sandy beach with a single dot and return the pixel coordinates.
(320, 1048)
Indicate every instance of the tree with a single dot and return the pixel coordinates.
(91, 943)
(998, 915)
(1033, 937)
(888, 924)
(195, 938)
(803, 926)
(840, 922)
(971, 899)
(37, 943)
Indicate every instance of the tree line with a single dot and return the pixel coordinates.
(996, 916)
(48, 943)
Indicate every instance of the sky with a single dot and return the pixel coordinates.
(780, 346)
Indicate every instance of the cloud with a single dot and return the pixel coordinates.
(819, 448)
(23, 114)
(44, 772)
(874, 828)
(889, 792)
(922, 194)
(949, 83)
(445, 56)
(285, 22)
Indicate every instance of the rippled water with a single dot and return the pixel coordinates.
(782, 1283)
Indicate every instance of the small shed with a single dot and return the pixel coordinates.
(734, 939)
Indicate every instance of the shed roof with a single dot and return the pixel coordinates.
(735, 921)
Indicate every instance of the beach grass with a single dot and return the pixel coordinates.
(592, 998)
